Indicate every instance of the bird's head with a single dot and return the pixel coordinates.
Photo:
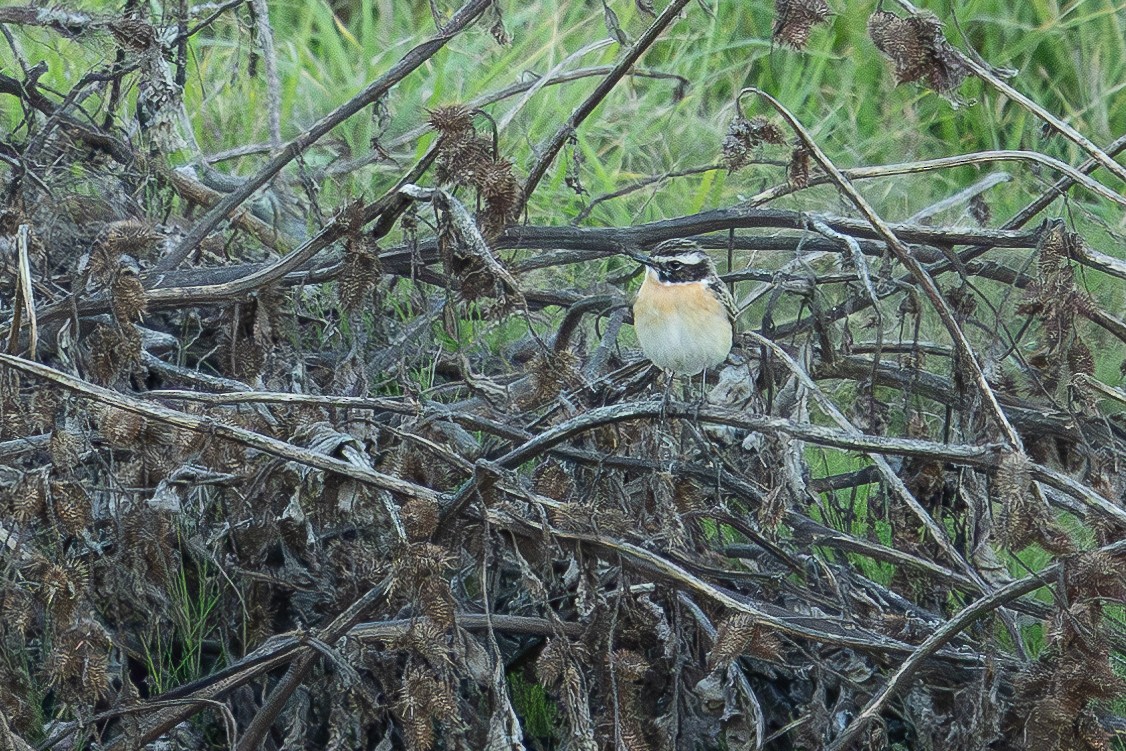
(677, 261)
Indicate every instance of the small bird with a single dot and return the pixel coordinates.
(684, 315)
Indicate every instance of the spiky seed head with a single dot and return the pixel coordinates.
(133, 33)
(72, 506)
(918, 49)
(451, 119)
(794, 19)
(360, 274)
(118, 427)
(420, 518)
(797, 170)
(130, 237)
(128, 298)
(744, 137)
(552, 480)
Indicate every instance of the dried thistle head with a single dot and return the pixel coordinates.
(130, 237)
(112, 352)
(127, 296)
(918, 49)
(794, 19)
(71, 506)
(79, 662)
(744, 137)
(552, 373)
(133, 33)
(119, 428)
(420, 518)
(552, 480)
(361, 272)
(797, 171)
(451, 120)
(738, 635)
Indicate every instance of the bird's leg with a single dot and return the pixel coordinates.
(669, 378)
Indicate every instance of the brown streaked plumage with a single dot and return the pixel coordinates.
(684, 315)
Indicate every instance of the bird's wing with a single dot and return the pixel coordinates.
(720, 290)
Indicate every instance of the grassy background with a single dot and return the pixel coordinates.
(1070, 58)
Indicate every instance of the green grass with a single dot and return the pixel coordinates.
(540, 714)
(1071, 58)
(175, 656)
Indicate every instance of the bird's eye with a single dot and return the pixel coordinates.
(674, 265)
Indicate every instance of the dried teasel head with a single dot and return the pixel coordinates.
(420, 572)
(29, 499)
(794, 19)
(119, 428)
(65, 447)
(426, 698)
(71, 506)
(427, 639)
(127, 295)
(420, 518)
(452, 120)
(1055, 249)
(552, 480)
(130, 237)
(552, 373)
(797, 170)
(360, 274)
(18, 607)
(744, 137)
(133, 33)
(59, 586)
(1095, 574)
(498, 185)
(1025, 516)
(112, 353)
(739, 635)
(918, 49)
(1011, 487)
(79, 662)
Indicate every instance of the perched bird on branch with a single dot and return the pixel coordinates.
(684, 315)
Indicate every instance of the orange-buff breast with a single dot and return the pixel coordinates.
(681, 327)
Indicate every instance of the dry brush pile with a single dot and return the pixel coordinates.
(250, 496)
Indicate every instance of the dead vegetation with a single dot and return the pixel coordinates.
(225, 526)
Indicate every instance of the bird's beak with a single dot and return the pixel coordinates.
(644, 260)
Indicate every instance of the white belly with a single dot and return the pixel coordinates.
(681, 327)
